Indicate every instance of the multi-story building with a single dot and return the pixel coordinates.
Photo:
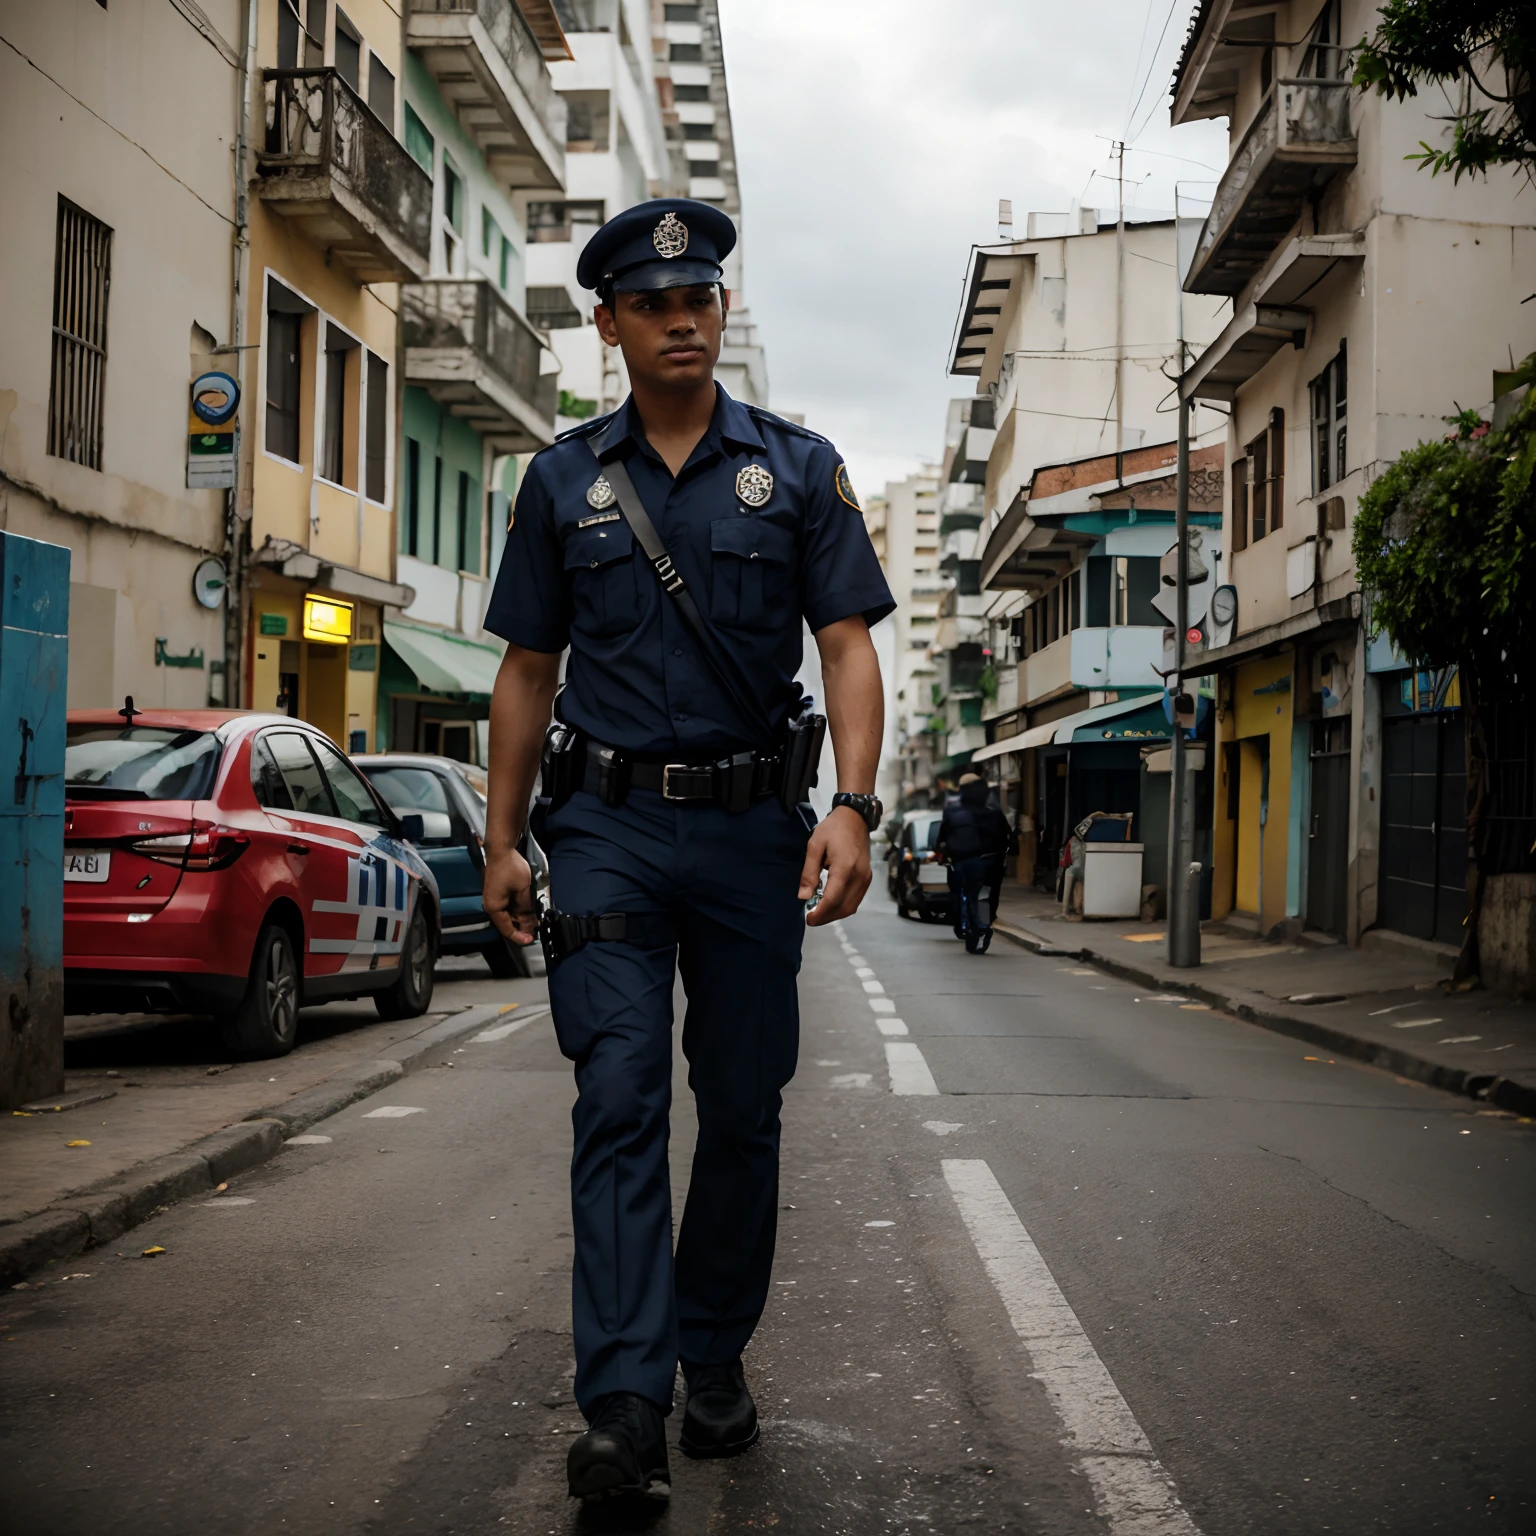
(1072, 335)
(484, 122)
(116, 275)
(1369, 300)
(649, 116)
(906, 533)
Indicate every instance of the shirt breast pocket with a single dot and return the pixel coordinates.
(604, 591)
(752, 573)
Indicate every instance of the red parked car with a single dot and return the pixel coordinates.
(239, 865)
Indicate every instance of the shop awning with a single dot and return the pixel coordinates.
(442, 662)
(1125, 719)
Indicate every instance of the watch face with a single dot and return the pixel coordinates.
(1224, 604)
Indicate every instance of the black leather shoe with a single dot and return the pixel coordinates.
(721, 1419)
(624, 1451)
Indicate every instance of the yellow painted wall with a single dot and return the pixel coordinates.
(1223, 828)
(1257, 713)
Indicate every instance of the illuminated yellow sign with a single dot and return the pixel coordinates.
(327, 620)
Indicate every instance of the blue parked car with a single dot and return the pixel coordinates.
(449, 797)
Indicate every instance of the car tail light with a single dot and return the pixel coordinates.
(206, 846)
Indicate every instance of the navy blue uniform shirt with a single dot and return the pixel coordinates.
(574, 575)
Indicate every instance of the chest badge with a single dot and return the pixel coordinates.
(754, 485)
(600, 494)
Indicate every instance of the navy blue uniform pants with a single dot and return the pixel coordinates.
(728, 884)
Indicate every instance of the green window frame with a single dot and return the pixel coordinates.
(419, 142)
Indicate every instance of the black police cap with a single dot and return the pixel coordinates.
(669, 242)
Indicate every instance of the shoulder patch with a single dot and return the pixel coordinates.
(845, 487)
(766, 418)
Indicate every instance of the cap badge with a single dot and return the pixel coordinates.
(754, 485)
(600, 493)
(670, 237)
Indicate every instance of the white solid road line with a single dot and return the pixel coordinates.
(501, 1031)
(1135, 1495)
(909, 1072)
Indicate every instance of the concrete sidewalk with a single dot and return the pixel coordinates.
(1391, 1008)
(154, 1110)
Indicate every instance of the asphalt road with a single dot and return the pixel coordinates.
(1132, 1267)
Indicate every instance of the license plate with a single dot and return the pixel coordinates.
(92, 867)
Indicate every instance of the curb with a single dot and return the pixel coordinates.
(1254, 1008)
(100, 1214)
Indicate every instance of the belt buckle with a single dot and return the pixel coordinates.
(668, 769)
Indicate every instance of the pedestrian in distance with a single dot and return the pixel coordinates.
(677, 547)
(974, 839)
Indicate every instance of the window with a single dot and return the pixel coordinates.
(461, 523)
(298, 774)
(338, 454)
(283, 360)
(437, 511)
(82, 280)
(698, 130)
(1330, 398)
(490, 235)
(349, 52)
(377, 445)
(381, 93)
(1120, 589)
(703, 168)
(506, 261)
(686, 53)
(139, 762)
(1240, 470)
(300, 42)
(1266, 478)
(412, 497)
(353, 800)
(690, 93)
(586, 123)
(552, 221)
(551, 309)
(1324, 57)
(452, 216)
(680, 12)
(419, 144)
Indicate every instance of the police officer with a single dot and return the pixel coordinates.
(669, 811)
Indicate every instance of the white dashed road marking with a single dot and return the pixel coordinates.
(909, 1072)
(892, 1026)
(1135, 1495)
(501, 1031)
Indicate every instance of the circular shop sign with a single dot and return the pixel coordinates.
(215, 398)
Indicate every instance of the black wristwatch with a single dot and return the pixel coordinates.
(868, 806)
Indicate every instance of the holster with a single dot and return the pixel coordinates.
(563, 933)
(804, 735)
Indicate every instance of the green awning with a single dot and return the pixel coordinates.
(443, 662)
(1148, 723)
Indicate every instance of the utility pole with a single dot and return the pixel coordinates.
(1183, 872)
(1120, 310)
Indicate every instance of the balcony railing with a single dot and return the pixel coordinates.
(469, 349)
(330, 164)
(1300, 138)
(490, 68)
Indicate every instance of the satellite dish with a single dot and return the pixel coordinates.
(209, 582)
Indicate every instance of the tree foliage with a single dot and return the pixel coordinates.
(1483, 53)
(1445, 548)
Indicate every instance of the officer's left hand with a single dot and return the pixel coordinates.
(840, 845)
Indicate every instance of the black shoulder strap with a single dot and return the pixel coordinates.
(721, 662)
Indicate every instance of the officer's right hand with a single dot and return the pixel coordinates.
(508, 896)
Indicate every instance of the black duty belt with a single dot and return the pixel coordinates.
(563, 933)
(732, 782)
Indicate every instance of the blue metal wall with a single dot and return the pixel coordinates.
(34, 660)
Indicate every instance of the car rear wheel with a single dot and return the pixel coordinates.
(507, 960)
(411, 994)
(267, 1021)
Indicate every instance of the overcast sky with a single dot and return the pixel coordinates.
(874, 139)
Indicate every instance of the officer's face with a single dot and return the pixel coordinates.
(670, 337)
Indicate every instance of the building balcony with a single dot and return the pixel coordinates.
(1299, 140)
(332, 167)
(490, 68)
(472, 352)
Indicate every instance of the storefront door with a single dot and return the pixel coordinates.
(1328, 836)
(1423, 825)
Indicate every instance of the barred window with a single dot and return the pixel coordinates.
(82, 278)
